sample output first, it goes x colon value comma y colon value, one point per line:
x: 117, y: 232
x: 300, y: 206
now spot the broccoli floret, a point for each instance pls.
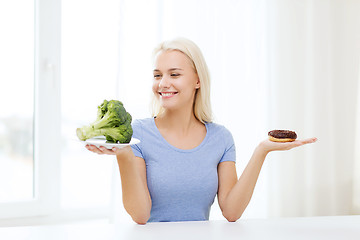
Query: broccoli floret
x: 112, y: 121
x: 122, y: 133
x: 102, y: 109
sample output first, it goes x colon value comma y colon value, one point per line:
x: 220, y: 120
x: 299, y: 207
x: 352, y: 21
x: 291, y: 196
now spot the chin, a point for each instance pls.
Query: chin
x: 168, y: 106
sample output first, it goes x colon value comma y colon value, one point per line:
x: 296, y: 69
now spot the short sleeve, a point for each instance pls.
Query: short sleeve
x: 137, y: 133
x: 229, y: 148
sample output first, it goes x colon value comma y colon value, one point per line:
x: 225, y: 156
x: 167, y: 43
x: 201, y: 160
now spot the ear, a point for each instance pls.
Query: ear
x: 197, y: 86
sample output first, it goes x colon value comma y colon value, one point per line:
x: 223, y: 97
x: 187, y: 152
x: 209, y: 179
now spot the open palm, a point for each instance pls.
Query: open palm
x: 269, y: 146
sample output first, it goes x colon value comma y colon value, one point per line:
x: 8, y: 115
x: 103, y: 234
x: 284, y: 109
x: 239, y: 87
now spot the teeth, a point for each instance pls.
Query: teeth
x: 167, y: 94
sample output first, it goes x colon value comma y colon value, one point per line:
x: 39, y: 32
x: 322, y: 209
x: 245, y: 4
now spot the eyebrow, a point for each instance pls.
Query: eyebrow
x: 171, y: 69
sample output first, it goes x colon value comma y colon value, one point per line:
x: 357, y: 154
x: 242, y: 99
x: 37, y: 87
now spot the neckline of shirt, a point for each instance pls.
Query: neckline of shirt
x: 179, y: 149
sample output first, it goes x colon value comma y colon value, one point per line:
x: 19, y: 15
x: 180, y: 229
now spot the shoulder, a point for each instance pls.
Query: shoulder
x: 141, y: 127
x: 140, y: 123
x: 215, y: 128
x: 220, y: 133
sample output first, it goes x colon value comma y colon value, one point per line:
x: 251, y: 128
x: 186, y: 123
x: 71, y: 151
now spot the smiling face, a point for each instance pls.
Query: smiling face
x: 175, y: 80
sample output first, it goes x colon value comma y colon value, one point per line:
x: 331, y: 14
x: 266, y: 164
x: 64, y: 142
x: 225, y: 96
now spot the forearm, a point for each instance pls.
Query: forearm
x: 135, y: 194
x: 239, y: 196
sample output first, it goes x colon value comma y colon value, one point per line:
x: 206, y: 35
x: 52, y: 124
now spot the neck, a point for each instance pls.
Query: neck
x: 179, y: 120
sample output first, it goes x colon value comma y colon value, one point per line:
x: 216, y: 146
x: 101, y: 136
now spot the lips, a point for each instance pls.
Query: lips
x: 167, y: 94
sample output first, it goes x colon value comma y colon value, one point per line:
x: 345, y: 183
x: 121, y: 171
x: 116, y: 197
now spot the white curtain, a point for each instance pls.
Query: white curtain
x: 274, y: 64
x: 314, y: 76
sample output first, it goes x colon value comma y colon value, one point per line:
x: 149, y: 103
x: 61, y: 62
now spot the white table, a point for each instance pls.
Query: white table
x: 327, y: 228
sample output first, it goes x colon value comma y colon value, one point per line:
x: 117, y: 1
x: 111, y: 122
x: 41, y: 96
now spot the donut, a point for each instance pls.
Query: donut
x: 282, y: 136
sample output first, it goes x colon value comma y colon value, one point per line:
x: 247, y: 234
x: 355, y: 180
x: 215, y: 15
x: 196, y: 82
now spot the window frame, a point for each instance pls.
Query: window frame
x: 47, y: 116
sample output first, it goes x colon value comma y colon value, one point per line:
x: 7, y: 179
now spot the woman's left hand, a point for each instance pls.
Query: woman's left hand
x: 269, y: 146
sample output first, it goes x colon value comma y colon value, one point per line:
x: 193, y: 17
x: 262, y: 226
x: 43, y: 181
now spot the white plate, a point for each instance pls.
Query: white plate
x: 101, y: 141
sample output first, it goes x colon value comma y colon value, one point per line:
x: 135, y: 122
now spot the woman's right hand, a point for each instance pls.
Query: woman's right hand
x: 103, y: 150
x: 135, y: 194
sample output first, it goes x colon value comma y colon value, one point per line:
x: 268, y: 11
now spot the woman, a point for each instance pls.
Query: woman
x: 184, y: 159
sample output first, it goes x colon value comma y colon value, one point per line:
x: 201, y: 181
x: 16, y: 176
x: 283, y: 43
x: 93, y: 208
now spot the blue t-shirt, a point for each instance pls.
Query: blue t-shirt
x: 182, y: 183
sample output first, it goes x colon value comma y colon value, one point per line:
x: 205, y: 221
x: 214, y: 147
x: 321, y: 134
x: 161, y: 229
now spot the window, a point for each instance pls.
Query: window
x: 16, y: 97
x: 30, y: 65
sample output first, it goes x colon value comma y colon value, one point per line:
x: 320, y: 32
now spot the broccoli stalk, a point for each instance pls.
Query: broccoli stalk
x: 87, y: 132
x: 112, y: 121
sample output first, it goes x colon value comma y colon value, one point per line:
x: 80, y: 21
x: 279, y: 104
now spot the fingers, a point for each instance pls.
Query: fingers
x: 298, y: 143
x: 309, y: 140
x: 100, y: 150
x: 302, y: 142
x: 281, y: 146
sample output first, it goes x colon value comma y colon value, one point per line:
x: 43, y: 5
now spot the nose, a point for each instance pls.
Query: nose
x: 164, y: 82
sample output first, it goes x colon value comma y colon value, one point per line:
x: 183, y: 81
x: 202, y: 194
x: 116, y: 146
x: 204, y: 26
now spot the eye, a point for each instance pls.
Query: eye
x: 157, y: 76
x: 175, y: 75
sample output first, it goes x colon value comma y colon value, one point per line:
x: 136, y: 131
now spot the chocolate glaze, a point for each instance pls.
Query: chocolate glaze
x: 282, y: 134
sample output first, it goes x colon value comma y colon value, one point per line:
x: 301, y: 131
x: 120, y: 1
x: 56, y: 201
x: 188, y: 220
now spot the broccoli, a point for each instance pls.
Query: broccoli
x: 112, y: 121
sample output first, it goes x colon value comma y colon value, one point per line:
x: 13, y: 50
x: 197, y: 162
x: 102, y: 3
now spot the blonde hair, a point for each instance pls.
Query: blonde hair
x: 202, y: 106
